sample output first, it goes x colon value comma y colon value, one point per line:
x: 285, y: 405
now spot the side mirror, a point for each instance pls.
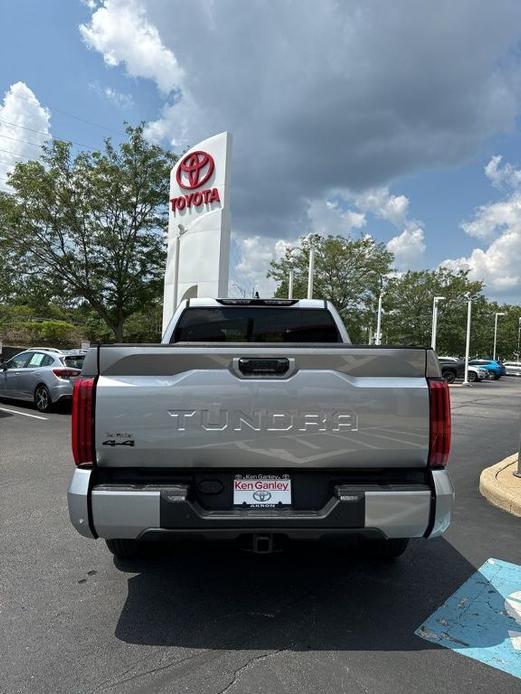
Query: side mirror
x: 3, y: 365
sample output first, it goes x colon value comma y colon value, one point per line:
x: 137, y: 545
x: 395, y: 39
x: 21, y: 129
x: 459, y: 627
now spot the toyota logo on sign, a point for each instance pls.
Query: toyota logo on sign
x: 261, y: 496
x: 195, y: 169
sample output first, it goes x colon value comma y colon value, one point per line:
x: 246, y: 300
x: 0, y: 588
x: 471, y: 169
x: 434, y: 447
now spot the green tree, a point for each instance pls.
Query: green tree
x: 408, y: 300
x: 91, y: 228
x: 348, y: 272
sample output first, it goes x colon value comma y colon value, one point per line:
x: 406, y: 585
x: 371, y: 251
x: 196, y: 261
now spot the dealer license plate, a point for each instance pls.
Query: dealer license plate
x: 262, y: 490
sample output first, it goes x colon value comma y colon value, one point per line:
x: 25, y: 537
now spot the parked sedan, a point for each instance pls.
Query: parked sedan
x: 43, y: 376
x: 495, y: 367
x: 512, y: 368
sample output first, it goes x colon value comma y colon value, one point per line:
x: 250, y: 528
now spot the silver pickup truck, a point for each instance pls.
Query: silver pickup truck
x: 258, y: 420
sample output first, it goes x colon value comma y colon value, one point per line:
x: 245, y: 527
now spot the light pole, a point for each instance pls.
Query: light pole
x: 519, y: 339
x: 378, y: 337
x: 435, y: 319
x: 182, y: 230
x: 499, y: 313
x: 290, y: 284
x: 467, y: 342
x: 310, y: 271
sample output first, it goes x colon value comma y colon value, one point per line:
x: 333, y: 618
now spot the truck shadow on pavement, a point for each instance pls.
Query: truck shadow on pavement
x: 311, y: 597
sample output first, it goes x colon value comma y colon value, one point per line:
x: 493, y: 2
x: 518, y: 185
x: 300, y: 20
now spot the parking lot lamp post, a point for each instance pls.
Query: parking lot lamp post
x: 310, y: 272
x: 467, y: 342
x: 435, y: 319
x: 378, y: 338
x: 290, y: 284
x: 182, y: 230
x: 519, y: 340
x: 495, y: 332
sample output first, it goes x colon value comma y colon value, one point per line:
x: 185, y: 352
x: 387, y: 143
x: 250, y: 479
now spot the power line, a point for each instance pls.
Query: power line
x: 71, y: 115
x: 33, y: 144
x: 41, y: 132
x: 25, y: 142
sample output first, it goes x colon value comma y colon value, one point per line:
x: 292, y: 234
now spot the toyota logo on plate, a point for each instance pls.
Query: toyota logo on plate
x: 195, y: 169
x: 262, y: 496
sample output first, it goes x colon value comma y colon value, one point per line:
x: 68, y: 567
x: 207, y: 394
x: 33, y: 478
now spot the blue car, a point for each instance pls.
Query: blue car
x: 494, y: 367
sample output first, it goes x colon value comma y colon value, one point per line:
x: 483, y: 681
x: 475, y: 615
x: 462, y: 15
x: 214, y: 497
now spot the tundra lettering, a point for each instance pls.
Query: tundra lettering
x: 263, y: 420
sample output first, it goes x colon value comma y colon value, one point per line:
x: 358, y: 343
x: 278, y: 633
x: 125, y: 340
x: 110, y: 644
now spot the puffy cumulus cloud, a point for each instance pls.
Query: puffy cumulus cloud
x: 335, y: 96
x: 499, y: 264
x: 328, y: 217
x: 121, y: 32
x: 502, y: 176
x: 384, y: 205
x: 24, y: 128
x: 119, y: 99
x: 408, y: 247
x: 255, y: 256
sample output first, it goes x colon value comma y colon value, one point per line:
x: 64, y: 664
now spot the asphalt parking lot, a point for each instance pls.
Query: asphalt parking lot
x: 214, y: 619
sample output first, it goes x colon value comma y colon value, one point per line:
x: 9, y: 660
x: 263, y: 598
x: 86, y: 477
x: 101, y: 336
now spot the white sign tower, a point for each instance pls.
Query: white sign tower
x: 198, y: 224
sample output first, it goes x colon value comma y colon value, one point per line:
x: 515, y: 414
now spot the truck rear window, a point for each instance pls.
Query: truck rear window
x: 255, y: 324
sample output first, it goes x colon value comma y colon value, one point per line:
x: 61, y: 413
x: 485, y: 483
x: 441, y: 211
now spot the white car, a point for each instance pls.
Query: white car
x: 513, y: 368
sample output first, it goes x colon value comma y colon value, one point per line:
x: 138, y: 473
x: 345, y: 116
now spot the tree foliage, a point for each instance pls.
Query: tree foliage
x: 90, y: 228
x: 351, y: 273
x: 348, y: 272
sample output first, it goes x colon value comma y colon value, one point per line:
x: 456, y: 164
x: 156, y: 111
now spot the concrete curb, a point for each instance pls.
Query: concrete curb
x: 499, y: 486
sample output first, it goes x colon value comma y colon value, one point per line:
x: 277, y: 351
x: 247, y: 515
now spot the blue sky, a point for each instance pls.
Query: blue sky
x: 344, y: 120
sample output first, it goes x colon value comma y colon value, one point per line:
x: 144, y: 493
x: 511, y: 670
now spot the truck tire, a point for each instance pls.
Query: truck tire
x: 124, y: 549
x: 391, y: 549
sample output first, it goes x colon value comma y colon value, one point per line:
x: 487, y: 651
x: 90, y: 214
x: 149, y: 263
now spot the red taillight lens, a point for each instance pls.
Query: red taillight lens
x: 66, y: 373
x: 439, y: 403
x: 83, y: 421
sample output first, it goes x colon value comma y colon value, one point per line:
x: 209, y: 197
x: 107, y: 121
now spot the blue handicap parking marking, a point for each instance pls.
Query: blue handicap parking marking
x: 482, y: 619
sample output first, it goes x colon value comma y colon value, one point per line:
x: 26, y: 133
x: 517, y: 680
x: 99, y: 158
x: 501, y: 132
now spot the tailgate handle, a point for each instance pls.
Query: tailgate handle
x: 263, y: 367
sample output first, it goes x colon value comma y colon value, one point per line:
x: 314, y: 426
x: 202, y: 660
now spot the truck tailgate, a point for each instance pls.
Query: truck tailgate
x: 181, y: 406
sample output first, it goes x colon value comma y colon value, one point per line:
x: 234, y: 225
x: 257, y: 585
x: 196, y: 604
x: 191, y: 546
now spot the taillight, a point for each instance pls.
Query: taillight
x: 83, y: 421
x: 66, y: 373
x: 439, y: 404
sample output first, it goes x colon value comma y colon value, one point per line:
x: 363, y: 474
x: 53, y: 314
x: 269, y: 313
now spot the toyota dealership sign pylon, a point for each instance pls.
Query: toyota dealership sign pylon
x: 199, y: 211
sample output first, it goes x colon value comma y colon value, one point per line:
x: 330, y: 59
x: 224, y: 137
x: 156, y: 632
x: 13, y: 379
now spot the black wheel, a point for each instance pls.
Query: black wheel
x: 497, y: 377
x: 449, y: 376
x: 390, y: 549
x: 42, y: 399
x: 124, y: 549
x: 472, y: 376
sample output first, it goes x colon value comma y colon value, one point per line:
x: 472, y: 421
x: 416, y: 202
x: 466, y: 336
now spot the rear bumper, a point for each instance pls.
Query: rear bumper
x: 393, y: 511
x: 61, y: 391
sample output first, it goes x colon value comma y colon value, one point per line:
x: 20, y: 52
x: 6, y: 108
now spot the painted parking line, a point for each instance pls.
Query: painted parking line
x: 482, y: 619
x: 24, y: 414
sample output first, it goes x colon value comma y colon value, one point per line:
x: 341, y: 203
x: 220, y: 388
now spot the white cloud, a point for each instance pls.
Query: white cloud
x: 499, y: 264
x: 121, y: 31
x: 327, y: 217
x: 120, y: 99
x: 506, y: 176
x: 255, y: 256
x: 24, y: 128
x: 408, y: 247
x: 384, y: 205
x: 343, y: 97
